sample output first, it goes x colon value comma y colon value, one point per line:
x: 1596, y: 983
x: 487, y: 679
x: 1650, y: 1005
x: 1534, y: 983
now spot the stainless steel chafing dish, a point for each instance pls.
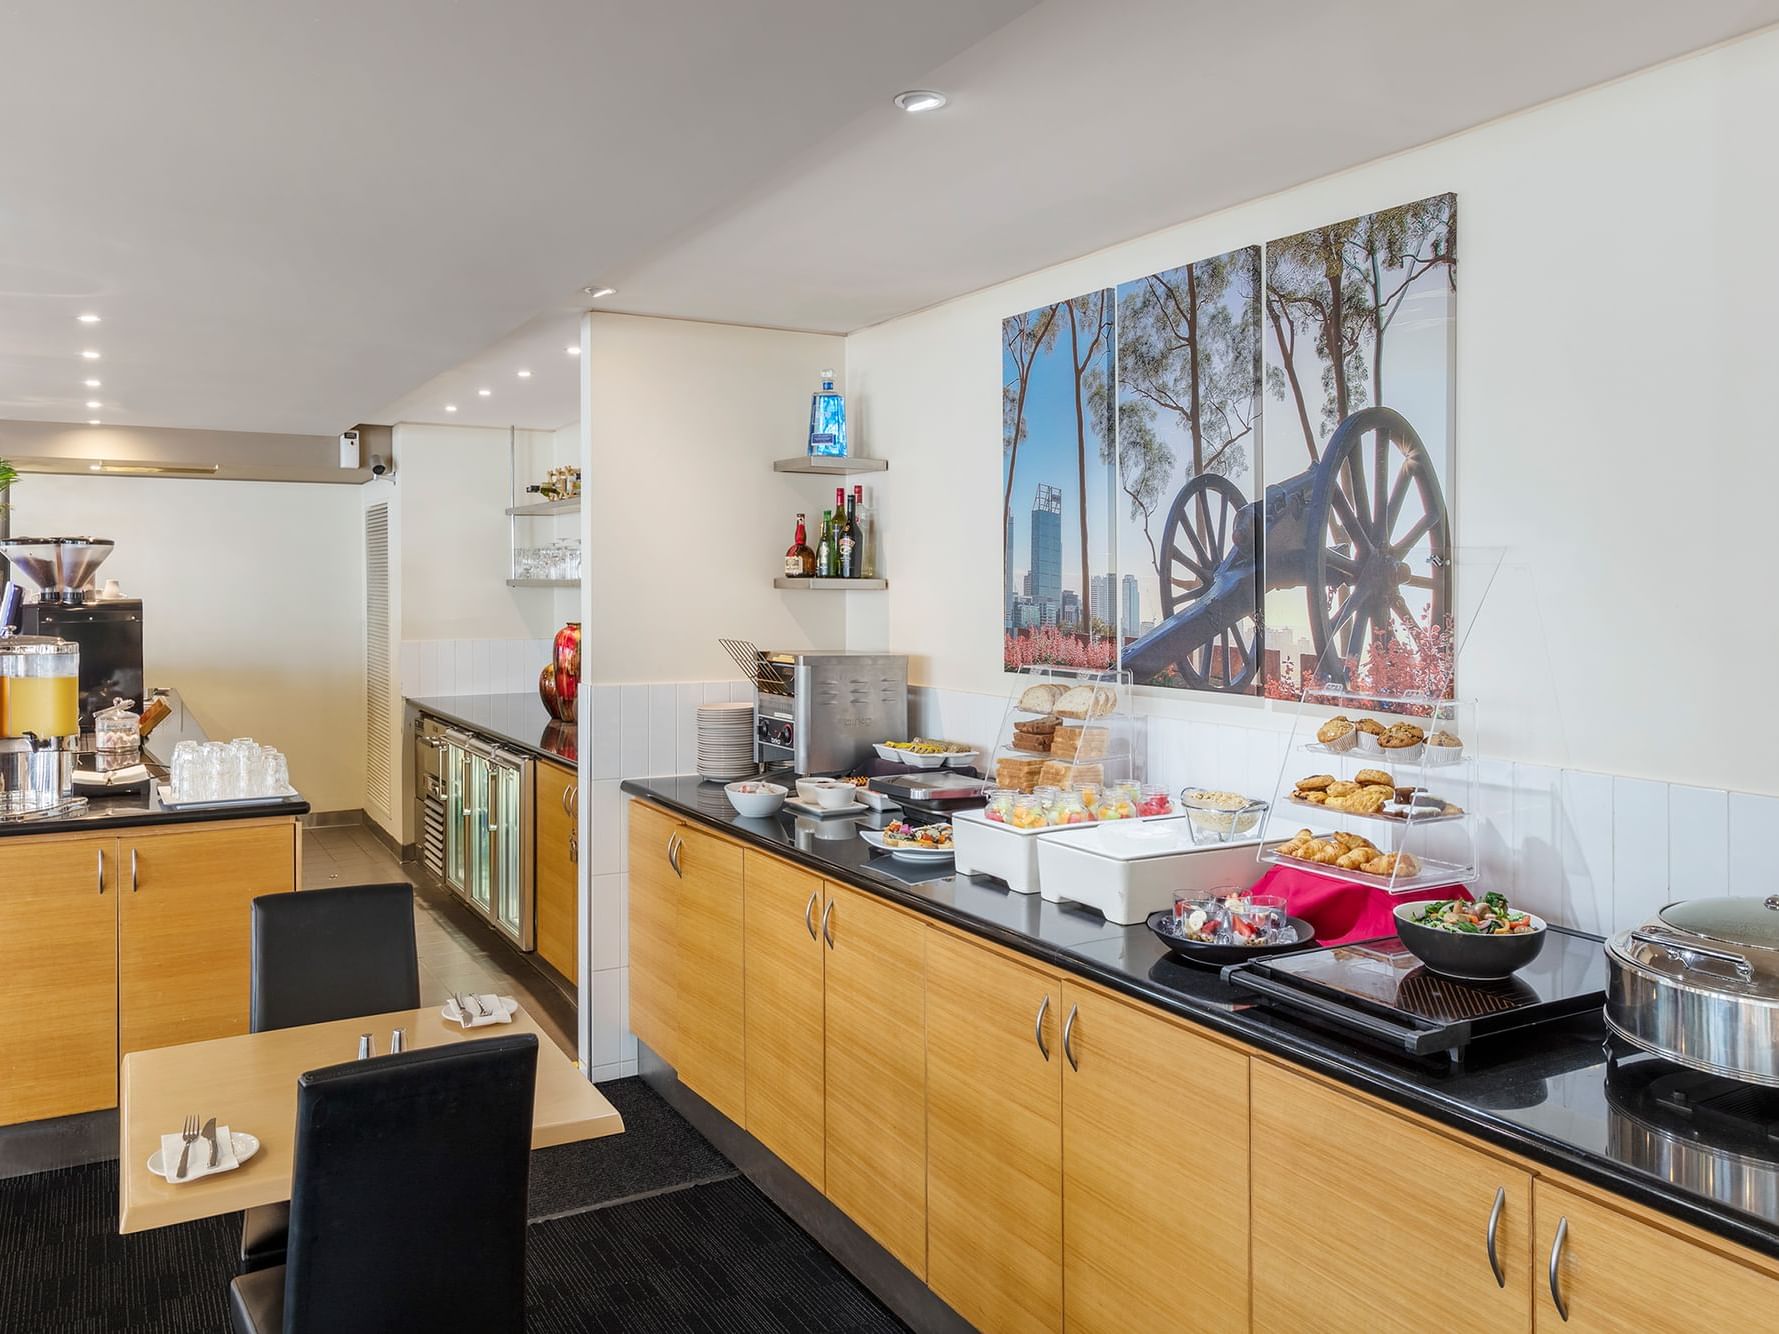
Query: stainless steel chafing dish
x: 1699, y: 985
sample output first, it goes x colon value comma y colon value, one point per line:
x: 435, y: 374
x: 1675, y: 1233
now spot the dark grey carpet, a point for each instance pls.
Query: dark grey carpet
x: 702, y: 1250
x: 658, y: 1151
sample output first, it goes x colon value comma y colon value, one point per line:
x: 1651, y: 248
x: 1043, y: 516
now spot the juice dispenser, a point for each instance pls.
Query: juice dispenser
x: 39, y: 721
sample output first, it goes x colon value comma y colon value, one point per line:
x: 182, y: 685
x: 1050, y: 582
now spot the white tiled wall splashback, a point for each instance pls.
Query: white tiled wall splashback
x: 436, y: 668
x: 632, y: 731
x: 1587, y: 850
x: 1582, y: 849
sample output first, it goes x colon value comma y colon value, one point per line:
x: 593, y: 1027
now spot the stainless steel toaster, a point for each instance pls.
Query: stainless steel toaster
x: 823, y: 709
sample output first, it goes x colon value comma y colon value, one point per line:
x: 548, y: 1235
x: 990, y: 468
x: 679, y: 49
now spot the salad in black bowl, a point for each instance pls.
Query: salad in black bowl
x: 1481, y: 941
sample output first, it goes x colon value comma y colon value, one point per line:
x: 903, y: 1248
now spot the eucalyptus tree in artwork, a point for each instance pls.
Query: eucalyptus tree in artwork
x: 1024, y: 338
x: 1090, y: 348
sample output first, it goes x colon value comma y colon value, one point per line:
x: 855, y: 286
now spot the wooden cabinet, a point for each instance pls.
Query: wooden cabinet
x: 876, y: 1070
x: 654, y: 953
x: 184, y: 926
x: 58, y: 959
x: 994, y: 1136
x: 1623, y: 1271
x: 556, y: 848
x: 1154, y: 1171
x: 782, y: 965
x: 1349, y: 1201
x: 708, y: 1008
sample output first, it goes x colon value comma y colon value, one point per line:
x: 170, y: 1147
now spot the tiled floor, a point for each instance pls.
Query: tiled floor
x: 458, y: 952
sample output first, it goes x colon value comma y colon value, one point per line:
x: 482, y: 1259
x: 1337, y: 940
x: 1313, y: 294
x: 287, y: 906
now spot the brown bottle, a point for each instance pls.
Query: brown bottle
x: 799, y: 560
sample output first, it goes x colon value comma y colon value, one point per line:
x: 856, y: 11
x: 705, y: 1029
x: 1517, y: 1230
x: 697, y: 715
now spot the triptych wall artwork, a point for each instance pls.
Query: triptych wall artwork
x: 1236, y: 475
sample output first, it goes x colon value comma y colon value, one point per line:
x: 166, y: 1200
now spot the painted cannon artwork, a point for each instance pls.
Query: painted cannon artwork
x: 1359, y: 532
x: 1148, y: 519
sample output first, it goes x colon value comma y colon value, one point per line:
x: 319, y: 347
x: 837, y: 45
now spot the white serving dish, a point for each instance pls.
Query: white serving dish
x: 763, y: 801
x: 991, y: 847
x: 875, y: 839
x: 1128, y: 877
x: 878, y: 801
x: 891, y: 755
x: 827, y: 794
x: 826, y: 812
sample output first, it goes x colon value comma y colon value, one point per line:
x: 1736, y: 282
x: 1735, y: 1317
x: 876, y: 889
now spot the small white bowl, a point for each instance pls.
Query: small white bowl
x: 760, y: 800
x: 828, y: 794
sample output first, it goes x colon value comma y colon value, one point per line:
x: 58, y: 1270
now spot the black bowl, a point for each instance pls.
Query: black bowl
x: 1467, y: 957
x: 1215, y: 956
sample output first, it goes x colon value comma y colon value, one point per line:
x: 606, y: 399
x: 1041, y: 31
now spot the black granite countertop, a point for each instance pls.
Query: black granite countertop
x: 1543, y: 1094
x: 519, y: 720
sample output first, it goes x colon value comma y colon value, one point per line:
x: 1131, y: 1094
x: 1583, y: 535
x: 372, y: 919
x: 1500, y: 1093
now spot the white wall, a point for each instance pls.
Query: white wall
x: 1615, y: 429
x: 687, y: 522
x: 452, y: 485
x: 253, y: 605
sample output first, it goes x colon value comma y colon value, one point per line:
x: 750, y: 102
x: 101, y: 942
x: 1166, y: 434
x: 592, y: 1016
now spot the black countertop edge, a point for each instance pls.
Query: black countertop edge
x: 1301, y: 1044
x: 519, y: 719
x: 137, y: 812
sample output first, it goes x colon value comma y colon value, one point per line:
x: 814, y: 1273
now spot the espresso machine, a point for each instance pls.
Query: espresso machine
x: 39, y: 726
x: 65, y: 606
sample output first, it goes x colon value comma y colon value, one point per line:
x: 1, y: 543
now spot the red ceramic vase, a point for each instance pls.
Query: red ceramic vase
x: 559, y: 684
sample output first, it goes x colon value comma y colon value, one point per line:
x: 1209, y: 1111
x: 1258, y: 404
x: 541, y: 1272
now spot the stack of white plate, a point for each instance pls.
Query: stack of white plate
x: 725, y: 741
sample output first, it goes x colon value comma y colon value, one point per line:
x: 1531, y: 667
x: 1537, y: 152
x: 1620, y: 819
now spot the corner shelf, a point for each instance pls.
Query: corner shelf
x: 543, y: 583
x: 831, y: 585
x: 829, y: 466
x: 546, y: 507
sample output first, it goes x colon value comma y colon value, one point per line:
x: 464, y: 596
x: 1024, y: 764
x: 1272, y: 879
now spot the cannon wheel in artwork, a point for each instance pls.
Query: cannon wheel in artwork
x: 1377, y: 524
x: 1199, y: 532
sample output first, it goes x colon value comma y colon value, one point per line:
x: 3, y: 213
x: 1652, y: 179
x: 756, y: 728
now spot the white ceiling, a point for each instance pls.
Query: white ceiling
x: 297, y: 217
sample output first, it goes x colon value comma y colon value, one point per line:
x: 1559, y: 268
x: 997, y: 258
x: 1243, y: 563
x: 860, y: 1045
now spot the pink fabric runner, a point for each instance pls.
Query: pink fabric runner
x: 1342, y: 910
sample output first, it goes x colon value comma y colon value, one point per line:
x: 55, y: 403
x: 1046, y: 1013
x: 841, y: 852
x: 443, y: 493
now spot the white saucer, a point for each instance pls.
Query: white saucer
x: 804, y: 808
x: 245, y: 1146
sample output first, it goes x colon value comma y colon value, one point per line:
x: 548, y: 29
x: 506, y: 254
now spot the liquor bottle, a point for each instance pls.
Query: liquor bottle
x: 867, y: 535
x: 824, y: 549
x: 827, y: 420
x: 799, y: 560
x: 850, y: 550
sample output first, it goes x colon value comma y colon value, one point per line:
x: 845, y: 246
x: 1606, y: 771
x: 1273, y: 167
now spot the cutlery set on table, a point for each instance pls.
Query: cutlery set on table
x: 218, y: 1149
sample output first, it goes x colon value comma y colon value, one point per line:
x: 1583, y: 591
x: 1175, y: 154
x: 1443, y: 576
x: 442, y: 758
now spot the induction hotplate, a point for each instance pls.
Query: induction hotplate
x: 1377, y: 989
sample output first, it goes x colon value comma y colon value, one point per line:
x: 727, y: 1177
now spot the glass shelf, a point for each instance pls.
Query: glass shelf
x: 543, y: 583
x: 544, y: 508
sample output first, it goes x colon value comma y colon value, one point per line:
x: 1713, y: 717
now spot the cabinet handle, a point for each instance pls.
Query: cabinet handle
x: 565, y: 801
x: 101, y: 870
x: 1494, y: 1231
x: 673, y: 855
x: 828, y: 923
x: 132, y: 870
x: 574, y: 849
x: 809, y: 912
x: 574, y: 802
x: 1068, y: 1027
x: 1556, y: 1260
x: 1038, y: 1028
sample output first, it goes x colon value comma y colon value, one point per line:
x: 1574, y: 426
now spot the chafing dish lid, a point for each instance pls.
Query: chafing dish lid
x: 1723, y: 944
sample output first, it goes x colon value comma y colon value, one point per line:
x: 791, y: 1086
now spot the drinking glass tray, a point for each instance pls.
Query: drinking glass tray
x: 172, y: 801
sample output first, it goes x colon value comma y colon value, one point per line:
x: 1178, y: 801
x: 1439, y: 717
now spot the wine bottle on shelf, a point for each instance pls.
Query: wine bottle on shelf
x: 799, y: 560
x: 849, y: 542
x: 867, y: 535
x: 824, y: 550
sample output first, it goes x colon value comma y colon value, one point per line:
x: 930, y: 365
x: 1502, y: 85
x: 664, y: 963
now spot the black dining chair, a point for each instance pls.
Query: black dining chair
x: 323, y: 954
x: 407, y: 1208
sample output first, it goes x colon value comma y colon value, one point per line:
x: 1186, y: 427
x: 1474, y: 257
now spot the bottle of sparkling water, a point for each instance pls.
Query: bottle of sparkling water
x: 827, y: 420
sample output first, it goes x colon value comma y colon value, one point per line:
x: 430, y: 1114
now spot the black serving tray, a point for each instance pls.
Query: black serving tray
x: 1207, y: 955
x: 1379, y: 990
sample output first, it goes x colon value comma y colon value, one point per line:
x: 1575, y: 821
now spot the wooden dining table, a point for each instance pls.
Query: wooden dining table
x: 249, y: 1083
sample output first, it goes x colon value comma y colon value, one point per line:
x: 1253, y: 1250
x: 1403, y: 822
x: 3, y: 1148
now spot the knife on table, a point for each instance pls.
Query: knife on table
x: 209, y: 1133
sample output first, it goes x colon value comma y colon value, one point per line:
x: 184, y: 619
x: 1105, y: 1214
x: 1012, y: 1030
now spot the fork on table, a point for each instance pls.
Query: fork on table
x: 190, y: 1135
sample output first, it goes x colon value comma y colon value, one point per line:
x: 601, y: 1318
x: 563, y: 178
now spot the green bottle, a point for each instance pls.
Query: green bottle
x: 824, y: 550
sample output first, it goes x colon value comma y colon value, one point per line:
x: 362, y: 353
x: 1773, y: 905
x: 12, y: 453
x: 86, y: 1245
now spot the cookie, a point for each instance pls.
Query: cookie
x: 1314, y: 782
x: 1366, y: 777
x: 1341, y: 788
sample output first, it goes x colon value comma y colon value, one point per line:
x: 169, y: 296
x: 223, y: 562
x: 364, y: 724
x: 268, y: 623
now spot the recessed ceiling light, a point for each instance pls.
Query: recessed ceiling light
x: 920, y: 99
x: 94, y: 421
x: 573, y: 349
x: 90, y: 384
x: 88, y: 318
x: 524, y: 375
x: 595, y: 291
x: 450, y: 407
x: 484, y: 392
x: 91, y: 354
x: 94, y: 403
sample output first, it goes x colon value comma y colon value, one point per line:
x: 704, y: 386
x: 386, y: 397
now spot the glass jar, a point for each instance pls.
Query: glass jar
x: 39, y: 687
x: 1155, y: 800
x: 1027, y: 812
x: 1071, y: 808
x: 1000, y: 803
x: 117, y: 729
